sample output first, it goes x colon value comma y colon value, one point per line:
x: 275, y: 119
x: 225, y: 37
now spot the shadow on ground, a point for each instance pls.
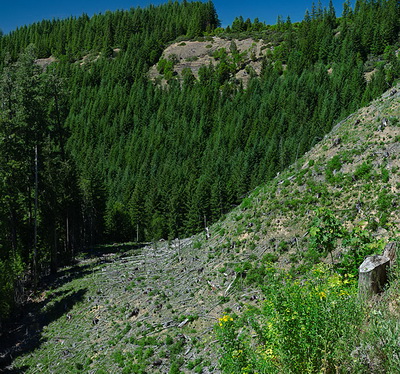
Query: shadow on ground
x: 121, y: 250
x: 102, y: 253
x: 25, y: 335
x: 23, y: 332
x: 14, y: 371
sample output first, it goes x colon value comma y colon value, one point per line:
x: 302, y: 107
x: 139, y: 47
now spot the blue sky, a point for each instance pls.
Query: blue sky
x: 16, y: 13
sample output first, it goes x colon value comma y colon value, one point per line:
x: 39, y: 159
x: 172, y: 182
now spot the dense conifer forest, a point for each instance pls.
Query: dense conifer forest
x: 91, y: 150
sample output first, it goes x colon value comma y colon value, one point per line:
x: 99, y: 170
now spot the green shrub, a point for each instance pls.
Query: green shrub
x: 283, y: 247
x: 257, y: 275
x: 175, y: 368
x: 197, y: 244
x: 325, y: 231
x: 305, y: 326
x: 333, y: 165
x: 384, y: 201
x: 385, y: 175
x: 242, y: 268
x: 191, y: 58
x: 118, y: 358
x: 363, y: 171
x: 10, y: 270
x: 270, y: 258
x: 247, y: 203
x: 394, y: 121
x: 360, y: 243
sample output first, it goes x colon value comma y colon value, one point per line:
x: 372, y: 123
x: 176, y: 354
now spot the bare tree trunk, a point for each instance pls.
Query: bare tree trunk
x: 67, y: 242
x: 13, y: 229
x: 35, y: 271
x: 54, y: 260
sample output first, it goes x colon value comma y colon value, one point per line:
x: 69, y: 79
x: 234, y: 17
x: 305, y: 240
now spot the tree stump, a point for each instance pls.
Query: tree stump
x: 390, y: 252
x: 372, y: 275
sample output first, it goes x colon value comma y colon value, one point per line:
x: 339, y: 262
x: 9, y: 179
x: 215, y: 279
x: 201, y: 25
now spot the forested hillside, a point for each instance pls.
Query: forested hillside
x: 91, y: 150
x: 259, y: 294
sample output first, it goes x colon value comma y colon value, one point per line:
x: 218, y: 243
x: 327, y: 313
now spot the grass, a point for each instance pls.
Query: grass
x: 83, y: 321
x: 314, y: 323
x: 115, y: 313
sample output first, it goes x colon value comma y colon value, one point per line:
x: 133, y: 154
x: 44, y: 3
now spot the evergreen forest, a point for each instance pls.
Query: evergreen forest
x: 93, y: 151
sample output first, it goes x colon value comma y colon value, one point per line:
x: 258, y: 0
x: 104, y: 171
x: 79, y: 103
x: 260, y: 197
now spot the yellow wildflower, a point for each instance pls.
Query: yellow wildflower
x: 269, y: 352
x: 322, y: 295
x: 246, y: 370
x: 224, y: 319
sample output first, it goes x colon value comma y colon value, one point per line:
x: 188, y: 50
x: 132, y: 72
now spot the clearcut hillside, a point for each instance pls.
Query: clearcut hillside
x: 127, y: 309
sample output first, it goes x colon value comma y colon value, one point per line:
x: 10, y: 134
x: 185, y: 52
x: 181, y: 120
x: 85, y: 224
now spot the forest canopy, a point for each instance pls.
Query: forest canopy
x: 91, y: 150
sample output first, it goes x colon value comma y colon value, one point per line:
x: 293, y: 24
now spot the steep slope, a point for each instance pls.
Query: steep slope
x: 244, y: 57
x: 153, y: 309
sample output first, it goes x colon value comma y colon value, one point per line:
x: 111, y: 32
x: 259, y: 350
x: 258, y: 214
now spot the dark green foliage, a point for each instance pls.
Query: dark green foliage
x: 10, y: 271
x: 39, y: 208
x: 384, y: 175
x: 270, y: 258
x: 333, y: 166
x: 363, y: 171
x: 359, y: 243
x: 384, y: 202
x: 144, y: 29
x: 122, y: 158
x: 325, y: 231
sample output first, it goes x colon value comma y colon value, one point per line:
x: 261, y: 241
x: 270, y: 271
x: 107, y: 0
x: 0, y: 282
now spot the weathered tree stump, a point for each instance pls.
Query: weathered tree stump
x: 336, y: 142
x: 372, y: 275
x: 385, y: 122
x: 390, y: 252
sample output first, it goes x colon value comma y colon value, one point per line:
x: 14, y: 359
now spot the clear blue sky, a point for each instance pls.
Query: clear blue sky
x: 14, y: 13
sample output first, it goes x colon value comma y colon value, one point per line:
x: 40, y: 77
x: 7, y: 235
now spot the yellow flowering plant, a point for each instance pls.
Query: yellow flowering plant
x: 225, y: 319
x: 235, y: 351
x: 299, y: 328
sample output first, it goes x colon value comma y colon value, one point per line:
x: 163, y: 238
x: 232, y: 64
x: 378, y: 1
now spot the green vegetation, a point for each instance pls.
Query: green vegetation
x: 308, y: 324
x: 363, y: 171
x: 305, y: 325
x: 93, y: 151
x: 325, y: 231
x: 334, y: 165
x: 359, y: 243
x: 312, y: 319
x: 54, y: 198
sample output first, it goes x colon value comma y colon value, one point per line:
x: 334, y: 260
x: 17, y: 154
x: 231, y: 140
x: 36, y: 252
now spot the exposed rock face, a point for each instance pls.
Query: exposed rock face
x: 45, y: 62
x: 373, y: 275
x: 195, y: 54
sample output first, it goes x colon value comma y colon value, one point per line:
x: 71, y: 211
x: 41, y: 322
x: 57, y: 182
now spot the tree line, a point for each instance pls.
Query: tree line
x: 93, y: 151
